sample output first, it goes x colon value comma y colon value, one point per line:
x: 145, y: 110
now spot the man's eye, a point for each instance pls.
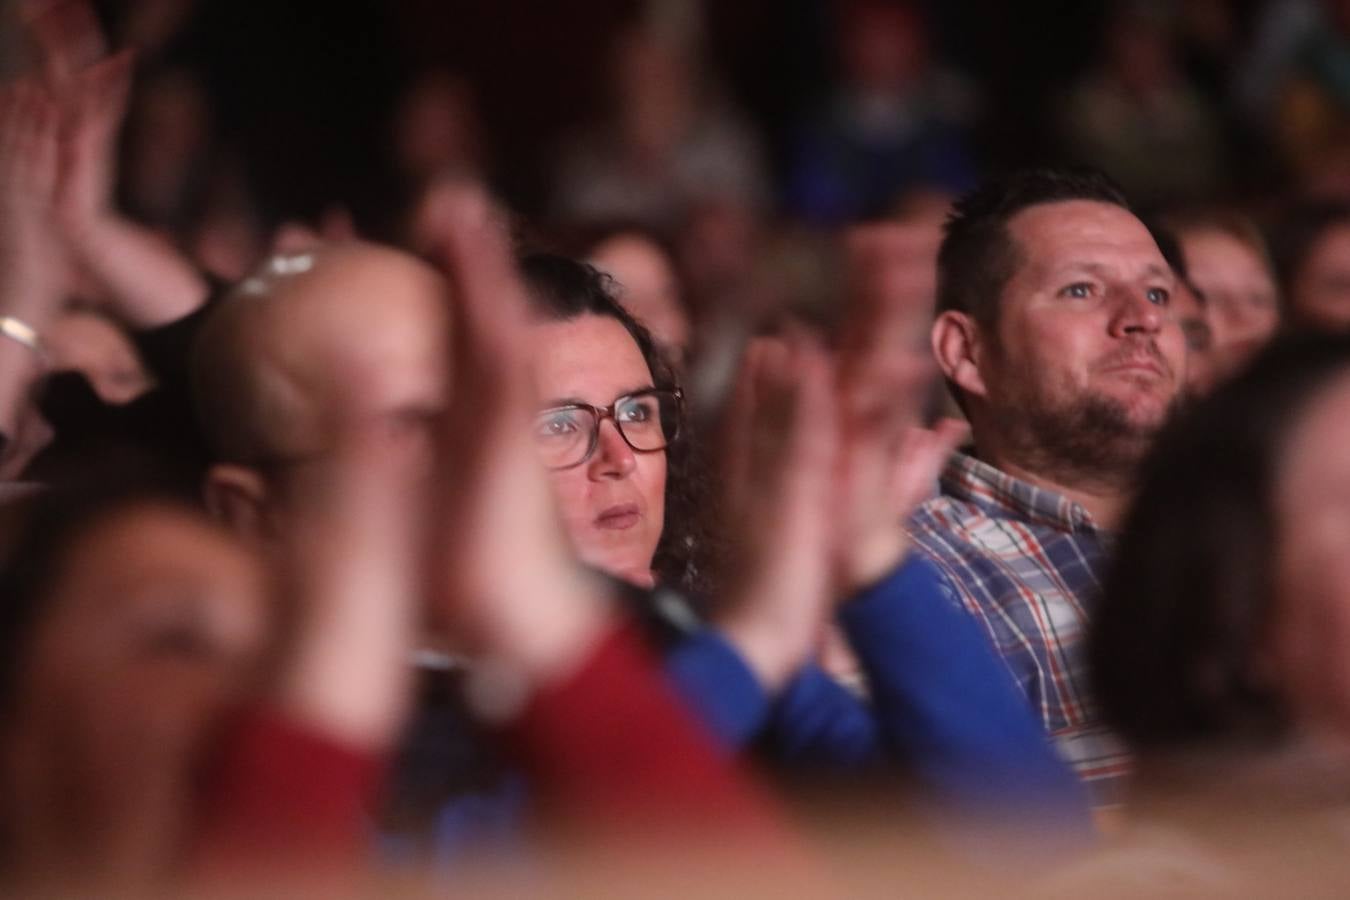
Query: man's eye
x: 1159, y: 296
x: 1081, y: 290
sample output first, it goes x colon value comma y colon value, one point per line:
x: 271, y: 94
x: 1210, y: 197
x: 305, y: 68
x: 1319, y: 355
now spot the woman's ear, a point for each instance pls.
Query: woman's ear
x: 956, y: 345
x: 237, y: 496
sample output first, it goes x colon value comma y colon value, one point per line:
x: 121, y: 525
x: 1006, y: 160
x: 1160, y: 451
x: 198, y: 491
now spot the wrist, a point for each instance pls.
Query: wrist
x: 768, y: 646
x: 868, y: 561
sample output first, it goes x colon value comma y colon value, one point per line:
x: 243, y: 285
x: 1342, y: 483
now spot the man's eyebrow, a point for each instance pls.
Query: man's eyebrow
x: 1152, y: 270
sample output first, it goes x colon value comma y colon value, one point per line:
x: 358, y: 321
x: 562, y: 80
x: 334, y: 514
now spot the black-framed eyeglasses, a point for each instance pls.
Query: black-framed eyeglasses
x: 648, y: 420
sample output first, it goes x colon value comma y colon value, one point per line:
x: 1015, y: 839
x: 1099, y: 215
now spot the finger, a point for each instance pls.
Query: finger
x: 475, y: 252
x: 738, y: 422
x: 43, y: 150
x: 68, y: 37
x: 920, y: 461
x: 9, y: 115
x: 109, y: 82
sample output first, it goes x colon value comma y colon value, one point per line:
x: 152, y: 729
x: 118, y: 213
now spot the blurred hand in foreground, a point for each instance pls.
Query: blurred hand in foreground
x: 142, y: 278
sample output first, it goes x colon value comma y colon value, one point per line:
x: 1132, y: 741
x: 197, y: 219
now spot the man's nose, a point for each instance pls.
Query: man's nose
x: 1135, y: 313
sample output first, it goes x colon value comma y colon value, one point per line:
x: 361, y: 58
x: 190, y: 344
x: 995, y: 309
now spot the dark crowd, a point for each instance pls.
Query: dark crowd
x: 674, y: 448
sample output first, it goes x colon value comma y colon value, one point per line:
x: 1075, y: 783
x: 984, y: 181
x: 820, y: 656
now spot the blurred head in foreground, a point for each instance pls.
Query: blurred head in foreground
x: 130, y: 624
x: 290, y: 352
x: 1226, y: 613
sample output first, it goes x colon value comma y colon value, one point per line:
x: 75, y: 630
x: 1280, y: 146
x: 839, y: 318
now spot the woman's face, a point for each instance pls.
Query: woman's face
x: 613, y: 504
x: 1312, y: 627
x: 1241, y: 297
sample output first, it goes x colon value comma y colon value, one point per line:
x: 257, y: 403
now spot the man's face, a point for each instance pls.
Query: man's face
x: 1087, y: 360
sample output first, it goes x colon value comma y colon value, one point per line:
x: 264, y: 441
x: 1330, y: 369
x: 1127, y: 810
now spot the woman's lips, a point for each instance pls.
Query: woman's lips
x: 619, y: 518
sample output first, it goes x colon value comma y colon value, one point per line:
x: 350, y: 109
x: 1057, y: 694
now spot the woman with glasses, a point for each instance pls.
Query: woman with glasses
x: 610, y: 414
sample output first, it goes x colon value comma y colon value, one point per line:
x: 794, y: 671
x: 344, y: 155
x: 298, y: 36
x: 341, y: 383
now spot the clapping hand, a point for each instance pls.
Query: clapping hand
x: 782, y: 440
x: 890, y: 459
x: 139, y: 275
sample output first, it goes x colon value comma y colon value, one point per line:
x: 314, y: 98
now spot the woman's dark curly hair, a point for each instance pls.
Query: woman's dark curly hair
x: 1191, y: 591
x: 561, y: 288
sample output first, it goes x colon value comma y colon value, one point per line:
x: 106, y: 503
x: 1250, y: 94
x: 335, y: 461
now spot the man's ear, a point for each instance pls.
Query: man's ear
x: 237, y: 496
x: 956, y: 344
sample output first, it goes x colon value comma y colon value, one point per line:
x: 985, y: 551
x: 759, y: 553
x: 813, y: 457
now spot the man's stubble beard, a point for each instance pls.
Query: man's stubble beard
x: 1087, y: 441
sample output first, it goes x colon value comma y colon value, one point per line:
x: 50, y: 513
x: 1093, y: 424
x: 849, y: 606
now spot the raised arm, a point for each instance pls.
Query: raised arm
x: 139, y: 276
x: 32, y: 272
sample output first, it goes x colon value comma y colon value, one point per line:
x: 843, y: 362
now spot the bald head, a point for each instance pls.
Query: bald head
x: 278, y: 359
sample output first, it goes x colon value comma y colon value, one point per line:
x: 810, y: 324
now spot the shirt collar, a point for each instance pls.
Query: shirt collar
x: 967, y: 478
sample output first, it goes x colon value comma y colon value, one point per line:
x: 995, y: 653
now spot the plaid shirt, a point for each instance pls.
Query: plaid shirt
x: 1027, y: 563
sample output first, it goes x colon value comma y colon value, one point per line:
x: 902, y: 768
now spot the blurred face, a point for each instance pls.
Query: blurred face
x: 1313, y: 563
x: 1320, y: 294
x: 1241, y: 298
x: 648, y: 288
x: 613, y: 504
x: 155, y: 626
x: 1193, y: 318
x: 157, y: 615
x: 1088, y: 360
x: 370, y: 331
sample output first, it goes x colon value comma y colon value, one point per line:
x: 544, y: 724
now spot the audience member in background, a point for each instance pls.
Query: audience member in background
x: 1192, y: 315
x: 667, y: 142
x: 180, y: 180
x: 1138, y: 119
x: 1217, y: 648
x: 1312, y: 254
x: 1227, y: 261
x: 437, y: 131
x: 648, y: 287
x: 1296, y: 89
x: 893, y: 122
x: 1056, y: 334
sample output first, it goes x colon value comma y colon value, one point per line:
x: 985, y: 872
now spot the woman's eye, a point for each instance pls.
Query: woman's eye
x: 555, y: 425
x: 636, y: 411
x: 1159, y: 296
x: 1081, y: 290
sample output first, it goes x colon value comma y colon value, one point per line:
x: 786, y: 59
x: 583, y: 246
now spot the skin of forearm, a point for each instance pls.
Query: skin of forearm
x: 147, y: 282
x: 19, y: 370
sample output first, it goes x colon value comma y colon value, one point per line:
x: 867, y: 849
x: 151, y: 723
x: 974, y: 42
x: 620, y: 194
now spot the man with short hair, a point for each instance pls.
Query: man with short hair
x: 1055, y: 334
